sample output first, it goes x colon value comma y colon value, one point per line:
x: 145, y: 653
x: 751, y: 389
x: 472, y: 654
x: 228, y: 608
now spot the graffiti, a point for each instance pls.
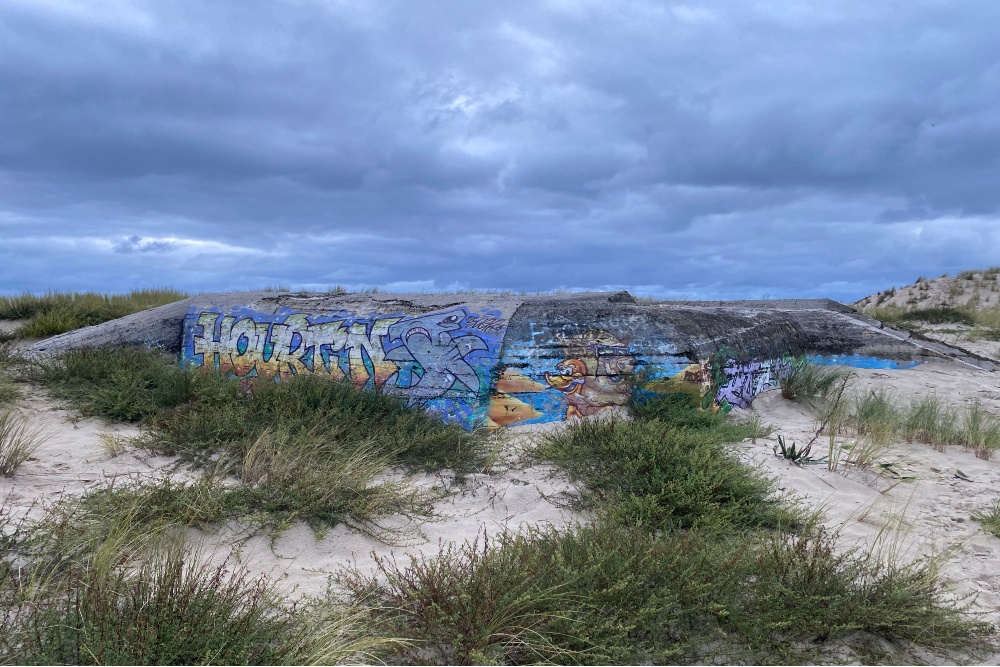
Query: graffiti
x: 428, y: 341
x: 741, y: 382
x: 573, y: 375
x: 472, y: 367
x: 487, y: 323
x: 434, y: 360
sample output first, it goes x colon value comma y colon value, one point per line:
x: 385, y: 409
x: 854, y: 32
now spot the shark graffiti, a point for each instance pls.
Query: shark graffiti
x: 430, y: 342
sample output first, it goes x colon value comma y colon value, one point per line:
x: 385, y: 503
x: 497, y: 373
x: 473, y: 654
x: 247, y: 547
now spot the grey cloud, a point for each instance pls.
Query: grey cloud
x: 137, y: 243
x: 603, y: 144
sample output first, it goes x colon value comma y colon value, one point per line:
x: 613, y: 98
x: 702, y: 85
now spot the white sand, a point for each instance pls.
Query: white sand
x: 929, y: 515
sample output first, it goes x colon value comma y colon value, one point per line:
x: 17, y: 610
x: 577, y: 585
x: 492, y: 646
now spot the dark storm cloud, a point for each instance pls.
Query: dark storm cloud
x: 715, y: 149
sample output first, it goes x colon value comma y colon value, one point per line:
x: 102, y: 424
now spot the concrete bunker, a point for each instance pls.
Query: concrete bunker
x: 498, y: 360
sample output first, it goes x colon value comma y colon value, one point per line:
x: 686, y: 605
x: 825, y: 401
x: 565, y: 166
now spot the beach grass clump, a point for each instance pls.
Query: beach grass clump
x: 876, y: 415
x: 10, y: 360
x: 58, y: 312
x: 876, y: 419
x: 989, y: 517
x: 304, y: 449
x: 923, y: 419
x: 813, y: 384
x: 18, y: 441
x: 606, y: 594
x: 159, y: 603
x: 980, y: 431
x: 486, y: 601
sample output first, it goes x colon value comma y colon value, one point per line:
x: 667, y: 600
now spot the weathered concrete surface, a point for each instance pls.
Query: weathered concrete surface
x: 500, y: 359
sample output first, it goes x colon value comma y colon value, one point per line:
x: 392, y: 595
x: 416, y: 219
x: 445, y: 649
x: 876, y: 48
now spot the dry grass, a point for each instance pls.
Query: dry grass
x: 18, y: 441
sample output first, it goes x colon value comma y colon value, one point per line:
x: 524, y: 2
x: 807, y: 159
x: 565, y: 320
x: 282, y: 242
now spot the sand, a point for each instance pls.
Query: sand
x: 929, y: 515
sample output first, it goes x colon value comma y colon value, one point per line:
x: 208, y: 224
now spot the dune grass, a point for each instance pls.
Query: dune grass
x: 58, y: 312
x: 812, y: 384
x: 690, y: 558
x: 18, y: 441
x: 911, y: 317
x: 879, y: 418
x: 271, y: 453
x: 155, y: 601
x: 9, y: 391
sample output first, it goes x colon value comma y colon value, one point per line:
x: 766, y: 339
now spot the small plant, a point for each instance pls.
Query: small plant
x: 18, y: 441
x: 989, y: 517
x: 758, y: 429
x: 115, y: 445
x: 796, y: 456
x: 980, y: 431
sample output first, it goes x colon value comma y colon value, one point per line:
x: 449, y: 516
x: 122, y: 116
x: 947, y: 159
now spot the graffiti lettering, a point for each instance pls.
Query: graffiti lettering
x: 435, y: 360
x: 487, y: 323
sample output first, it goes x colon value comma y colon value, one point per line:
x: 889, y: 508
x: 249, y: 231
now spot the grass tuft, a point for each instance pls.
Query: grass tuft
x: 989, y: 517
x: 18, y: 441
x: 812, y: 384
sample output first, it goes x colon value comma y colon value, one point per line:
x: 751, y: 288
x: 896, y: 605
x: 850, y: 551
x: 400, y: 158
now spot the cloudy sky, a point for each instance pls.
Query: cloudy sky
x: 701, y: 150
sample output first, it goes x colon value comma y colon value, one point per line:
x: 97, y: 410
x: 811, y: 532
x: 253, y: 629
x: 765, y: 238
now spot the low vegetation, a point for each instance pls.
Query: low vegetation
x: 690, y: 558
x: 57, y: 312
x: 878, y: 418
x: 156, y: 602
x: 271, y: 453
x: 687, y: 556
x: 9, y: 391
x: 18, y: 441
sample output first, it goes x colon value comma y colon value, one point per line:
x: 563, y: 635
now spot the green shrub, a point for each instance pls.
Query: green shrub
x: 660, y: 477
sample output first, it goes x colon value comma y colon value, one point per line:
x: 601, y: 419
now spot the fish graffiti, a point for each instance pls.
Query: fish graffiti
x: 430, y: 342
x: 435, y: 360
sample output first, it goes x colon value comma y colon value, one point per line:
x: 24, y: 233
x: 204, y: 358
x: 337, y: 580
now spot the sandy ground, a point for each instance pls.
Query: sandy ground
x: 929, y: 515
